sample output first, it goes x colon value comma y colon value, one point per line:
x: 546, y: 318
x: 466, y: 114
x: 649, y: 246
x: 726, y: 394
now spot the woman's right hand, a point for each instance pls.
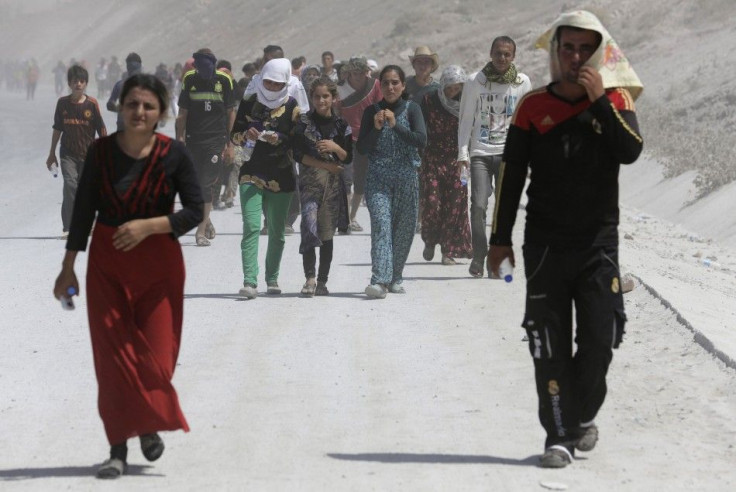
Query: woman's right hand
x: 67, y: 278
x: 333, y: 168
x: 379, y: 119
x: 252, y: 134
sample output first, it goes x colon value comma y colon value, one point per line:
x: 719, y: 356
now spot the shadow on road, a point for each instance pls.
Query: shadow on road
x: 449, y: 459
x: 67, y: 471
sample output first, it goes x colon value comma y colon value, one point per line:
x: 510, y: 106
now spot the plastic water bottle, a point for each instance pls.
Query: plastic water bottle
x: 67, y: 303
x: 506, y: 271
x: 54, y: 170
x: 464, y: 175
x: 248, y: 149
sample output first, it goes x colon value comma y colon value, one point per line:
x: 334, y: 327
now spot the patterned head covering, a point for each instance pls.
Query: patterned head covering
x: 608, y: 59
x: 453, y: 74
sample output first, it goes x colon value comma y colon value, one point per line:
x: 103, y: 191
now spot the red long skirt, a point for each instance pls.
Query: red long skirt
x: 135, y: 308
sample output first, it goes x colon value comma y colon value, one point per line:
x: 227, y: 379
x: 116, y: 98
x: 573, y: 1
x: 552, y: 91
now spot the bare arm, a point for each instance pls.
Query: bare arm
x: 332, y: 167
x: 181, y: 125
x: 55, y: 136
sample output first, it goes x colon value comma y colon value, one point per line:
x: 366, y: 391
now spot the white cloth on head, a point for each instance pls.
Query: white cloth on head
x: 608, y: 59
x: 453, y: 74
x: 276, y: 70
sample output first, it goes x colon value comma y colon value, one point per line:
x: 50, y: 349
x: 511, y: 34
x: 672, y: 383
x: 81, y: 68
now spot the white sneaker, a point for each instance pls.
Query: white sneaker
x: 376, y: 291
x: 249, y: 291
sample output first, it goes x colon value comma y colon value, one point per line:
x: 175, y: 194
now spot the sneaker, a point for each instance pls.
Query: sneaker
x: 447, y: 261
x: 202, y: 241
x: 355, y: 227
x: 248, y: 291
x: 428, y: 253
x: 152, y: 446
x: 288, y: 230
x: 376, y: 291
x: 555, y: 457
x: 112, y: 468
x: 209, y: 231
x: 273, y: 288
x: 476, y: 269
x: 310, y: 286
x: 396, y: 289
x: 321, y: 289
x: 588, y: 438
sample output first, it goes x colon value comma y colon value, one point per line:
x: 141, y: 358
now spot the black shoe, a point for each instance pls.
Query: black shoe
x: 152, y: 446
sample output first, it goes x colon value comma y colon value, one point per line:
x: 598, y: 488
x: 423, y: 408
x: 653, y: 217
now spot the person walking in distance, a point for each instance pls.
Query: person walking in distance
x: 573, y: 135
x: 358, y: 92
x: 206, y: 116
x: 76, y: 121
x: 323, y: 144
x: 443, y: 198
x: 392, y: 134
x: 486, y: 106
x: 135, y: 273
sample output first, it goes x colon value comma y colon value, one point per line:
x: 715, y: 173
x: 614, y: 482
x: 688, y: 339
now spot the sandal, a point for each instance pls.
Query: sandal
x: 152, y: 446
x: 321, y: 289
x: 202, y: 241
x: 209, y: 231
x: 446, y: 260
x: 309, y: 288
x: 112, y: 468
x: 476, y: 269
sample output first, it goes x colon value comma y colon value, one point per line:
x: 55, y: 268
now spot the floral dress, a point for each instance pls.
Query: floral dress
x: 322, y: 193
x: 444, y: 200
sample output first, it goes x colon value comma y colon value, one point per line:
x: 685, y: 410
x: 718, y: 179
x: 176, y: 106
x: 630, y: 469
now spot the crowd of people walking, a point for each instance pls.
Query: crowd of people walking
x: 291, y: 139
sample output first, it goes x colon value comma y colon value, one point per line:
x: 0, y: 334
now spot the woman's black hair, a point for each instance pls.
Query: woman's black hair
x: 400, y: 73
x: 148, y: 82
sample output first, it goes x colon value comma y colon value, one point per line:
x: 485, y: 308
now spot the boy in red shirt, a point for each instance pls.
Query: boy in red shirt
x: 76, y: 120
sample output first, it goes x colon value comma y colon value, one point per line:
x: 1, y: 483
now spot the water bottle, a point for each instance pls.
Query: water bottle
x: 248, y: 149
x: 464, y: 175
x: 67, y: 303
x: 505, y: 270
x: 54, y: 170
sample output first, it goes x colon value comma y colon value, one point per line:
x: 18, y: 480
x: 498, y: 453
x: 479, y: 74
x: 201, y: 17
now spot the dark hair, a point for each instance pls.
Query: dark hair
x: 224, y: 64
x: 323, y: 80
x: 150, y: 83
x: 133, y: 57
x: 248, y: 67
x: 504, y: 39
x: 558, y: 33
x: 272, y: 48
x: 205, y: 51
x: 326, y: 53
x: 296, y: 62
x: 77, y: 72
x: 400, y: 72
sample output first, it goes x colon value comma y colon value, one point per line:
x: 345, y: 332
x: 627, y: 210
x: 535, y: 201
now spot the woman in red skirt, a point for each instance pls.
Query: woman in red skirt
x: 135, y: 274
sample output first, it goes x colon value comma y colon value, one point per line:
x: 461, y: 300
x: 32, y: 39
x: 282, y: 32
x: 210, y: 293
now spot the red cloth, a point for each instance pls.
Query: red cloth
x: 135, y: 310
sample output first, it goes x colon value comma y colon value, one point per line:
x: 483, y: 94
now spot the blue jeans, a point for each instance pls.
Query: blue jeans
x: 483, y: 174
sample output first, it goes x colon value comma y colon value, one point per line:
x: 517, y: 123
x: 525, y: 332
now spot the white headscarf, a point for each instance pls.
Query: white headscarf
x: 277, y: 70
x: 608, y: 59
x: 452, y: 74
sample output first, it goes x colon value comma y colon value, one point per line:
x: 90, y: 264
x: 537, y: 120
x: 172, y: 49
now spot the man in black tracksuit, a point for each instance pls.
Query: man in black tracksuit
x: 573, y: 135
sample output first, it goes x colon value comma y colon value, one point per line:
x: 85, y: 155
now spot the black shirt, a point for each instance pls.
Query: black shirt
x: 207, y: 103
x: 118, y: 188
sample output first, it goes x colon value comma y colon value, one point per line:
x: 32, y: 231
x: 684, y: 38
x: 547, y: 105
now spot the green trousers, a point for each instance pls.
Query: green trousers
x: 252, y: 202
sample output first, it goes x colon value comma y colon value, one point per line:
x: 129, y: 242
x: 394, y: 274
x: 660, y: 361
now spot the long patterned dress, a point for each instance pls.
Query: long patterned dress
x: 322, y: 193
x: 444, y: 200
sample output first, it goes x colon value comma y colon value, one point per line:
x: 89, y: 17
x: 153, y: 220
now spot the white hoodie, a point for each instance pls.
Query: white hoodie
x: 485, y: 115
